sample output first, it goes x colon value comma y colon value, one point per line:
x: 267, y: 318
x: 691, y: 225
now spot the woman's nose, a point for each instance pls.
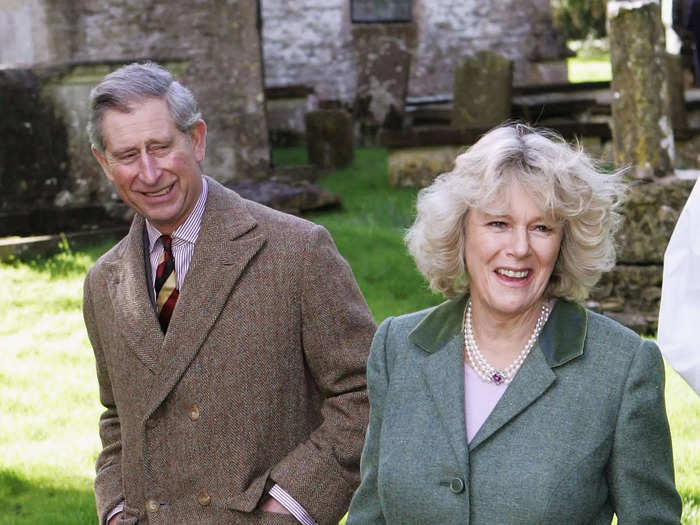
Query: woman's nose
x: 520, y: 242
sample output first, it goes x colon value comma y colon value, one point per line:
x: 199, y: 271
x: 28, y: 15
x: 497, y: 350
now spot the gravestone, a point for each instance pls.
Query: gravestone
x: 329, y: 138
x: 383, y: 54
x: 642, y: 126
x: 482, y: 90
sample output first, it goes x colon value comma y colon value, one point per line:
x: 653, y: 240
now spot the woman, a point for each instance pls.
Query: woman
x: 510, y: 402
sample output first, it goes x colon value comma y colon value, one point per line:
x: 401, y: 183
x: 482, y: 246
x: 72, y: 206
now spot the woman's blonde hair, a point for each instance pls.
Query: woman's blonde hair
x: 561, y: 178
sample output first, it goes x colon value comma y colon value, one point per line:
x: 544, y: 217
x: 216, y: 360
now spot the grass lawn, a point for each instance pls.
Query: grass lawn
x: 590, y: 69
x: 48, y: 391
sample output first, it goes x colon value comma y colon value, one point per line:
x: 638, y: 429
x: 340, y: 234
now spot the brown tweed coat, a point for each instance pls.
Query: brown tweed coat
x: 259, y: 379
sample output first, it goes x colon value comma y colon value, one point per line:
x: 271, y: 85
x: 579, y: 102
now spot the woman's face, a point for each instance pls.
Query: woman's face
x: 510, y: 255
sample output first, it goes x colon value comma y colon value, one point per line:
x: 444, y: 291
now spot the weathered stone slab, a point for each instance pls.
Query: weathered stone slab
x: 642, y: 127
x: 383, y: 54
x: 329, y: 138
x: 418, y: 167
x: 676, y: 91
x: 296, y: 198
x: 286, y: 107
x: 482, y: 90
x: 651, y: 212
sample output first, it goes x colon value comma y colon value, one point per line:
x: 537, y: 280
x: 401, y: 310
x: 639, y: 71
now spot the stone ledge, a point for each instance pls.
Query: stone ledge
x: 44, y: 245
x: 445, y: 135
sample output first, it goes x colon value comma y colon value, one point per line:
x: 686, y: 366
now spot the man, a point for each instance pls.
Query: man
x: 230, y: 339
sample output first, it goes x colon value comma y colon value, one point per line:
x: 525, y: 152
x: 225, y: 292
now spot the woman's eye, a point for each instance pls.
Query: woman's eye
x: 497, y: 224
x: 543, y: 228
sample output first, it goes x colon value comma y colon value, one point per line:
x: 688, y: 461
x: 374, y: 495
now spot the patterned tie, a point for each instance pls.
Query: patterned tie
x: 166, y: 284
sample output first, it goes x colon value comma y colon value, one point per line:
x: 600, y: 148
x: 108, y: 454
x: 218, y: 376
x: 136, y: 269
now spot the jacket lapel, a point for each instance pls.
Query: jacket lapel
x: 222, y: 253
x: 439, y: 334
x: 444, y: 365
x: 128, y: 291
x: 561, y: 341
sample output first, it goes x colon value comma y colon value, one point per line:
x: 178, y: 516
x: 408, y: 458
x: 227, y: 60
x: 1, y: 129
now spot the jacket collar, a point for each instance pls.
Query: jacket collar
x: 561, y: 339
x: 439, y: 335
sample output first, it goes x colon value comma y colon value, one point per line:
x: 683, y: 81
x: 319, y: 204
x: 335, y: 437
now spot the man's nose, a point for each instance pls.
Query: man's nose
x: 148, y: 168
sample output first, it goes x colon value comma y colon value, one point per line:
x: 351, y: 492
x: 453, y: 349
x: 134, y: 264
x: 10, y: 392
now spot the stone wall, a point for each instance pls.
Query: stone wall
x: 447, y: 30
x: 631, y: 292
x: 310, y: 42
x: 218, y: 43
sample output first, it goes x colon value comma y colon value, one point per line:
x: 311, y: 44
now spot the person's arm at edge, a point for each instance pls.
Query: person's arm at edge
x: 365, y: 507
x: 322, y: 473
x: 640, y: 471
x: 108, y: 480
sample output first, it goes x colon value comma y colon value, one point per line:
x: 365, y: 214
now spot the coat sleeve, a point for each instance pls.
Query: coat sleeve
x: 323, y: 472
x: 108, y: 481
x: 365, y: 507
x: 640, y: 471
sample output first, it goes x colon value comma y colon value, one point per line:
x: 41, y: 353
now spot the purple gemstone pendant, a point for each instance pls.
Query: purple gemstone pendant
x: 497, y: 378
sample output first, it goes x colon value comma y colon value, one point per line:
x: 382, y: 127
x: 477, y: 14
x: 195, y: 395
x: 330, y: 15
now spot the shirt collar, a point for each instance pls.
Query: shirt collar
x: 188, y: 231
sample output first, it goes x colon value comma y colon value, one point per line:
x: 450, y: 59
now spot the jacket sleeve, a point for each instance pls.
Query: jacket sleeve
x: 108, y: 481
x: 640, y: 471
x: 323, y: 472
x: 365, y: 507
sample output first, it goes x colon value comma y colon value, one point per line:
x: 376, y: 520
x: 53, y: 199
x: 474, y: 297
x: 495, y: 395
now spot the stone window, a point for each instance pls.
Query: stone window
x: 380, y: 11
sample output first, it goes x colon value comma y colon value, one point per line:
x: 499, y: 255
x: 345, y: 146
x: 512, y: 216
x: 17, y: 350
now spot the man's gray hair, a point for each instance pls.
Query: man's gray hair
x: 133, y: 83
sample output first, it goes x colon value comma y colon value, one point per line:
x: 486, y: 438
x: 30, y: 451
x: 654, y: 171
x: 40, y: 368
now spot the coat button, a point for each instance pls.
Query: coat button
x: 457, y: 485
x: 194, y: 413
x: 204, y: 499
x: 152, y: 506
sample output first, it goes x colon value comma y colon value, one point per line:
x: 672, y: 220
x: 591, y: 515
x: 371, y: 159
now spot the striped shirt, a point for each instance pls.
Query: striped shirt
x: 184, y: 239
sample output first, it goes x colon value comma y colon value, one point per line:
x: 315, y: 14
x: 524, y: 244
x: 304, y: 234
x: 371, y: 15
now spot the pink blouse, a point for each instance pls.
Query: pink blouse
x: 480, y: 398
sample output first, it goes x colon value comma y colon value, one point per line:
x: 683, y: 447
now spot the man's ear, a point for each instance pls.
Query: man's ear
x: 103, y: 162
x: 199, y: 139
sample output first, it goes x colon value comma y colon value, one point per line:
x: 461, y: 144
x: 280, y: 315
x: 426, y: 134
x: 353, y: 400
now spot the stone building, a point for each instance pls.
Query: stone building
x: 313, y: 42
x: 350, y: 49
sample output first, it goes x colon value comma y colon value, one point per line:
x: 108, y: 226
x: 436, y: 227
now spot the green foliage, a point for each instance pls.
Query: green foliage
x: 579, y: 19
x: 48, y: 391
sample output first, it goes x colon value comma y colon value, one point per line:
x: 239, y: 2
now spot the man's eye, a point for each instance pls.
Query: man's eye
x: 126, y: 157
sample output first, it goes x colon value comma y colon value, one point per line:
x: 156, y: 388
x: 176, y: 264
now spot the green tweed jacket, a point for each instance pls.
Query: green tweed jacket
x: 581, y: 432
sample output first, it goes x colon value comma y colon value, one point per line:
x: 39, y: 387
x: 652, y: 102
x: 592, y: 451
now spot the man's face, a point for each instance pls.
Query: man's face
x: 154, y: 167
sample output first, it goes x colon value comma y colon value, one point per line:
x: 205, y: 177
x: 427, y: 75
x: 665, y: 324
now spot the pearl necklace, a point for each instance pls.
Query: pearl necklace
x: 486, y: 371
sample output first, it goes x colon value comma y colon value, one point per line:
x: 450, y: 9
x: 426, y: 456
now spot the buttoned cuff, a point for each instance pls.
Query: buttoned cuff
x: 116, y: 510
x: 292, y: 505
